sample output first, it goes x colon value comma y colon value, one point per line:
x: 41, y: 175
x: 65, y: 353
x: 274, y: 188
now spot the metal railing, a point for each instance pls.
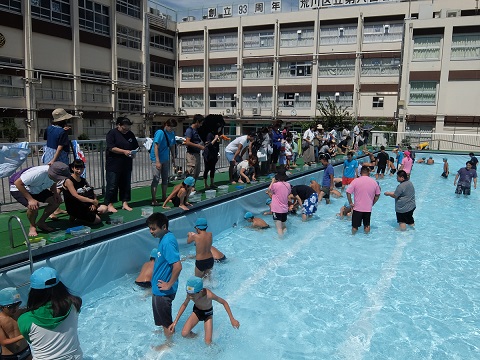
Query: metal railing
x: 94, y: 151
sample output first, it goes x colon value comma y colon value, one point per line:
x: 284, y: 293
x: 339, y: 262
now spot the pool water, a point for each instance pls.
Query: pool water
x: 321, y: 293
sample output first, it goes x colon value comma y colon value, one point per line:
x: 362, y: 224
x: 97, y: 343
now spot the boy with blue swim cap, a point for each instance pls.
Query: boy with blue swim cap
x: 203, y: 245
x: 257, y: 223
x: 202, y: 309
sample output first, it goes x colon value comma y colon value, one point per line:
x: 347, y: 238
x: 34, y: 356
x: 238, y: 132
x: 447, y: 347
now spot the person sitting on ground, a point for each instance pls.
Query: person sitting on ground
x: 343, y: 147
x: 430, y: 161
x: 245, y: 171
x: 446, y: 170
x: 422, y: 160
x: 144, y: 279
x: 180, y: 194
x: 305, y: 196
x: 345, y: 210
x: 203, y: 243
x: 202, y: 310
x: 257, y: 223
x: 39, y: 184
x: 80, y: 199
x: 14, y: 345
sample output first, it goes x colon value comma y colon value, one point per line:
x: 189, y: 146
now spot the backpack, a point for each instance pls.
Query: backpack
x: 14, y: 177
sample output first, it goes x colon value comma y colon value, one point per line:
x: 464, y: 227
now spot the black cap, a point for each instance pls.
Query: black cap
x: 123, y: 121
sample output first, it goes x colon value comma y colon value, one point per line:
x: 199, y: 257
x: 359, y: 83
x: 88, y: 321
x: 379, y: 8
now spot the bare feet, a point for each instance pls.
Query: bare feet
x: 111, y: 208
x: 183, y: 207
x: 126, y: 207
x: 60, y: 211
x: 53, y: 217
x: 32, y: 231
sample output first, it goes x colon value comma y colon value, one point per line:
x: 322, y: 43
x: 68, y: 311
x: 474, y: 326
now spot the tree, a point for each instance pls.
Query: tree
x: 10, y: 130
x: 333, y: 115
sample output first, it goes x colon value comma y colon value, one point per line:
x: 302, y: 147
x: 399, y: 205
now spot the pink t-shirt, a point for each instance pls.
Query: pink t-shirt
x: 280, y: 191
x: 407, y: 163
x: 364, y: 189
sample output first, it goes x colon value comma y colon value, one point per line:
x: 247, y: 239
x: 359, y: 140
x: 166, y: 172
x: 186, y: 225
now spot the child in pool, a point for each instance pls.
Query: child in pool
x: 202, y: 309
x: 446, y: 170
x: 345, y: 210
x: 257, y: 223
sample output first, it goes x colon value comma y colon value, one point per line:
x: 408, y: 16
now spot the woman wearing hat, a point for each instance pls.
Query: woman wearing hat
x: 58, y: 144
x: 122, y: 147
x: 50, y: 324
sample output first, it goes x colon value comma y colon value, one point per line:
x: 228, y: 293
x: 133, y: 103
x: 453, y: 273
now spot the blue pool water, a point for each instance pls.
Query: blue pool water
x: 321, y: 293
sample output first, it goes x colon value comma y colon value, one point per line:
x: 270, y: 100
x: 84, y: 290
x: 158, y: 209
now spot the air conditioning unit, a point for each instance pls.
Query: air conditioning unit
x: 255, y: 111
x: 229, y: 111
x: 452, y: 13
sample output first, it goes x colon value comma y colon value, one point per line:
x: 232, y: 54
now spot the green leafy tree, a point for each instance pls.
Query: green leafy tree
x: 10, y: 130
x: 333, y: 115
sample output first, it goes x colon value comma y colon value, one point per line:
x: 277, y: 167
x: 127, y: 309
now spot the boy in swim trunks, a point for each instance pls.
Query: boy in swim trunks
x: 203, y: 244
x: 144, y: 279
x: 202, y: 310
x: 14, y: 345
x: 257, y: 223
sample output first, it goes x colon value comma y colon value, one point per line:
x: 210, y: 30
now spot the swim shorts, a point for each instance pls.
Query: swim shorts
x: 461, y: 189
x: 25, y: 353
x: 224, y: 258
x: 144, y: 284
x: 346, y: 180
x: 381, y: 169
x: 176, y: 201
x: 406, y: 218
x: 41, y: 197
x: 326, y: 191
x: 310, y: 205
x: 444, y: 174
x: 202, y: 315
x: 204, y: 264
x: 162, y: 309
x: 358, y: 217
x: 393, y: 171
x: 279, y: 217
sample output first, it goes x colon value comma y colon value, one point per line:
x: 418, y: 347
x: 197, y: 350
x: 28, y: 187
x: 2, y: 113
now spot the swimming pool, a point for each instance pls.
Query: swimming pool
x: 320, y: 293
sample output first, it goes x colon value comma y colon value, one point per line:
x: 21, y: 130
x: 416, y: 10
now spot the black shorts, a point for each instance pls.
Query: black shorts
x: 393, y: 171
x: 381, y: 169
x: 406, y: 218
x: 358, y: 217
x: 461, y: 189
x: 204, y: 264
x: 176, y: 201
x: 144, y: 284
x: 162, y: 309
x: 24, y: 354
x: 203, y: 315
x: 326, y: 191
x: 279, y: 217
x: 41, y: 197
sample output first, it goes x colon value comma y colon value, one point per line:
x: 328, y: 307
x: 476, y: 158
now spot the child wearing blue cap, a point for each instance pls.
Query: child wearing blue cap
x: 203, y: 244
x: 51, y: 323
x: 180, y: 194
x: 446, y: 169
x: 14, y: 345
x: 257, y: 223
x: 202, y: 310
x: 345, y: 210
x: 144, y: 279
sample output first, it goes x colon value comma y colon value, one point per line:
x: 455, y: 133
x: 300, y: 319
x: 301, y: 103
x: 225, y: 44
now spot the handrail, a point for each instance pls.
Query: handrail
x: 27, y: 240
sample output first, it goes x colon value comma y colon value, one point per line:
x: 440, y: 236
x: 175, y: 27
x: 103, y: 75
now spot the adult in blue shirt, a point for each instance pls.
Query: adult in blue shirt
x: 163, y: 145
x: 276, y: 136
x: 350, y: 166
x: 327, y: 181
x: 193, y: 141
x: 464, y: 177
x: 166, y: 271
x: 58, y: 144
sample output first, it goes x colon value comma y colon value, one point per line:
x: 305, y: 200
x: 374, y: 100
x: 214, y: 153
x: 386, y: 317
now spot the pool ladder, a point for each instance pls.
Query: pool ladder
x: 27, y: 241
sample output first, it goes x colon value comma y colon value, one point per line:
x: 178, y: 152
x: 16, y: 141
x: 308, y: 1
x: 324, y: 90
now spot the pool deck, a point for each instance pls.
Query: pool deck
x: 18, y: 255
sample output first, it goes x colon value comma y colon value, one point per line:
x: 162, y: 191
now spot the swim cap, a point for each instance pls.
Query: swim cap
x: 248, y: 215
x: 153, y: 253
x: 347, y: 204
x: 423, y: 158
x: 312, y: 179
x: 445, y: 159
x: 42, y: 276
x: 201, y: 223
x: 268, y: 202
x: 190, y: 181
x: 430, y: 157
x: 9, y: 296
x: 194, y: 285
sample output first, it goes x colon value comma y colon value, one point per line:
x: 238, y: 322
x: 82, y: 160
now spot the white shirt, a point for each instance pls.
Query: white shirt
x: 356, y: 130
x: 35, y: 180
x: 308, y: 135
x: 233, y: 146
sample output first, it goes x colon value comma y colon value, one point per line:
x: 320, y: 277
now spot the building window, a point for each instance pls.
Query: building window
x: 129, y: 7
x: 373, y: 33
x: 129, y: 70
x: 97, y: 128
x: 257, y: 100
x: 296, y: 38
x: 11, y: 86
x: 377, y: 102
x: 296, y: 100
x: 223, y: 72
x: 258, y: 70
x: 222, y: 100
x: 161, y: 70
x: 295, y: 69
x: 192, y: 73
x: 52, y: 89
x: 262, y: 39
x: 11, y: 5
x: 223, y: 42
x: 94, y: 73
x: 162, y: 99
x: 426, y: 47
x: 129, y: 37
x: 11, y: 61
x: 465, y: 46
x: 192, y: 45
x: 192, y: 101
x: 381, y: 67
x: 344, y: 99
x: 333, y: 68
x: 162, y: 42
x: 57, y: 11
x: 94, y: 17
x: 96, y: 93
x: 338, y: 35
x: 423, y: 93
x: 129, y: 102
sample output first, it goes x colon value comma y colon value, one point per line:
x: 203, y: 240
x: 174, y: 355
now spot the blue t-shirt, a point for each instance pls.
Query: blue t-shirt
x: 350, y: 167
x: 466, y: 176
x: 55, y: 136
x: 399, y: 157
x: 326, y: 175
x: 167, y: 255
x: 163, y: 149
x: 194, y: 138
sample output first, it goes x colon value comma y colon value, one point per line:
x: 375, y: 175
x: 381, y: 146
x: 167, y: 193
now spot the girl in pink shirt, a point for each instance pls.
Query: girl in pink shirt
x: 280, y: 189
x: 407, y: 163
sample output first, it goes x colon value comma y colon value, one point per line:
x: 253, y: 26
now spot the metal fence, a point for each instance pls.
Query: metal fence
x: 94, y: 151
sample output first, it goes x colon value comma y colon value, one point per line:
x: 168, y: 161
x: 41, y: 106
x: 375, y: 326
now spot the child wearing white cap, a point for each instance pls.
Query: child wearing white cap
x: 202, y: 309
x: 14, y: 345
